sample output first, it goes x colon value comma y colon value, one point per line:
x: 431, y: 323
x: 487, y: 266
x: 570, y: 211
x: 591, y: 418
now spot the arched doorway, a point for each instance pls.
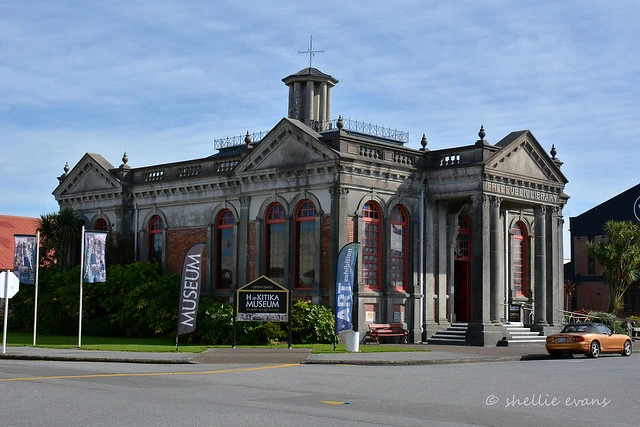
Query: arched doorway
x: 462, y: 270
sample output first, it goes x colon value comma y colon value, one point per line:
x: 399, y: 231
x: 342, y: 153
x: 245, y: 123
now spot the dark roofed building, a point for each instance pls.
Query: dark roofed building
x: 591, y: 290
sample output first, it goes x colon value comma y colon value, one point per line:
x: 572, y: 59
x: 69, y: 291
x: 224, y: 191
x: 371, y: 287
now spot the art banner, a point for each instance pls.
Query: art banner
x: 95, y: 268
x: 344, y: 286
x: 190, y: 282
x: 24, y: 258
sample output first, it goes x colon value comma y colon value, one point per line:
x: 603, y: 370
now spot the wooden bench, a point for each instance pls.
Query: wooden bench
x: 381, y: 330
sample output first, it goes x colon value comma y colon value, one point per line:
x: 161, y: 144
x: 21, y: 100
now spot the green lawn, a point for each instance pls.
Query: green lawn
x: 168, y: 344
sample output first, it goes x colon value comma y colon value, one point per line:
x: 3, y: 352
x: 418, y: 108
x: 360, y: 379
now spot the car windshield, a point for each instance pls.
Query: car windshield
x: 575, y: 328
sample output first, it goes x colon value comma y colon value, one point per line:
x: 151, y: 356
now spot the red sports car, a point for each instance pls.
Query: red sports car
x: 590, y: 339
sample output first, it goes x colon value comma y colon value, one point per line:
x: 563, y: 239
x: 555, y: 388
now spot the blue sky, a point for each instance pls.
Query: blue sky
x: 162, y: 79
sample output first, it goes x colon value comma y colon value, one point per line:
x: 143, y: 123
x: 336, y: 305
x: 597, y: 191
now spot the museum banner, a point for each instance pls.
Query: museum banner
x: 95, y: 267
x: 344, y: 286
x: 190, y: 282
x: 24, y: 258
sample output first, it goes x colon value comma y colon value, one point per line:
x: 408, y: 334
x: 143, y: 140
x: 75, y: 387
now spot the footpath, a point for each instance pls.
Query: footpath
x: 415, y: 354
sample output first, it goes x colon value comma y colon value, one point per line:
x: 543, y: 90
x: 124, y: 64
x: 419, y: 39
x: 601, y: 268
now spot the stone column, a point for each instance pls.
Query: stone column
x: 323, y: 104
x: 540, y: 288
x: 309, y: 103
x: 497, y: 275
x: 480, y: 260
x: 429, y: 267
x: 445, y: 265
x: 292, y: 102
x: 296, y: 106
x: 328, y: 102
x: 555, y: 265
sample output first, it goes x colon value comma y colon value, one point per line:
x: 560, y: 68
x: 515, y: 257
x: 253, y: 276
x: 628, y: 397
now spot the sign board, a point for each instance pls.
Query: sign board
x: 514, y: 313
x: 10, y: 280
x: 263, y: 300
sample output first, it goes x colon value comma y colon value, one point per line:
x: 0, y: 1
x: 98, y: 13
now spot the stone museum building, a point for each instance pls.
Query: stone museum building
x: 588, y: 287
x: 462, y: 239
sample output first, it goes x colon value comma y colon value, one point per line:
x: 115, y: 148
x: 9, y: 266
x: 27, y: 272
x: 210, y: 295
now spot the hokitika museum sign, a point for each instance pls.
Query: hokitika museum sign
x: 263, y: 300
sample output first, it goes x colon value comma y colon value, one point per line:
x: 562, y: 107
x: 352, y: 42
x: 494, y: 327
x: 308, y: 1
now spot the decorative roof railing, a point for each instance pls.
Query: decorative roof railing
x: 347, y: 124
x: 233, y: 141
x: 370, y: 129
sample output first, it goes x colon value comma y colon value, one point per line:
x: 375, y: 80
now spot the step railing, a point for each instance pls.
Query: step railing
x: 575, y: 317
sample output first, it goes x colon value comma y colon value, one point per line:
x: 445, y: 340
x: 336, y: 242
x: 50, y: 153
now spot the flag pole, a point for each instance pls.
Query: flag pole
x: 35, y: 305
x: 6, y: 312
x: 81, y: 279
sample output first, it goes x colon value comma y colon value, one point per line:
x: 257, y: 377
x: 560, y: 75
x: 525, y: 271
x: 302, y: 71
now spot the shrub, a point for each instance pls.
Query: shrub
x: 136, y: 301
x: 608, y: 319
x: 214, y: 324
x: 313, y: 323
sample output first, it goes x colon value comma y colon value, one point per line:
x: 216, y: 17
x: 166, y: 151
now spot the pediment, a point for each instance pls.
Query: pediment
x: 90, y: 175
x: 523, y: 157
x: 290, y: 144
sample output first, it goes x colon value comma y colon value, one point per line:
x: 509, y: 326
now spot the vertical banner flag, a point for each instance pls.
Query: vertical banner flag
x: 344, y: 286
x: 190, y: 289
x: 24, y: 258
x: 95, y: 269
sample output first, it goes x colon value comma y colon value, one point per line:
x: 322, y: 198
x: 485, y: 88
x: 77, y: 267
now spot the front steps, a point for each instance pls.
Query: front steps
x: 516, y: 333
x: 456, y: 334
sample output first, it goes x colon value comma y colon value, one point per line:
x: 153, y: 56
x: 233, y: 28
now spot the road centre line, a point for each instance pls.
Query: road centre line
x: 149, y: 374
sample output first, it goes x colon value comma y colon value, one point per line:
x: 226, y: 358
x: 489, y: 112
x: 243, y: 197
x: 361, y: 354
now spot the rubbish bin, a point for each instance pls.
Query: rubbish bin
x: 353, y: 341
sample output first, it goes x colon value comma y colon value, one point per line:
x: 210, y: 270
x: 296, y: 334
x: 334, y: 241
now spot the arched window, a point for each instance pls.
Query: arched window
x: 463, y: 241
x: 101, y: 225
x: 275, y: 245
x: 155, y: 239
x: 371, y: 246
x: 399, y: 249
x: 225, y: 246
x: 306, y: 245
x: 519, y: 233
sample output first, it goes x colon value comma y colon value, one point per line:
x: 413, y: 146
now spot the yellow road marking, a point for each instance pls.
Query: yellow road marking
x: 333, y: 402
x: 148, y: 374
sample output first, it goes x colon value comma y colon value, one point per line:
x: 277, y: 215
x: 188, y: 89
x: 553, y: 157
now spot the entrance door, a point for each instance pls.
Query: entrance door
x: 463, y: 288
x: 462, y: 270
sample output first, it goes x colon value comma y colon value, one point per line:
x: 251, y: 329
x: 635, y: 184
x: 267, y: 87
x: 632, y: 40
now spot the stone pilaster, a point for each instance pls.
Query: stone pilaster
x: 243, y: 242
x: 497, y: 263
x: 339, y: 234
x: 540, y: 288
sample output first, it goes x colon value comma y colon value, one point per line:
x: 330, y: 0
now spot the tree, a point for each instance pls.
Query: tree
x: 619, y: 255
x: 58, y: 232
x: 47, y: 229
x: 68, y: 230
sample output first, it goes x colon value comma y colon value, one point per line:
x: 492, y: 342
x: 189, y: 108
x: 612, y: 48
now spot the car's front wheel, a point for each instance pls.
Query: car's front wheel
x: 594, y: 350
x: 627, y: 349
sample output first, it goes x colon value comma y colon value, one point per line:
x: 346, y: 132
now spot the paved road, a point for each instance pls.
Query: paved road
x: 566, y: 392
x: 420, y: 354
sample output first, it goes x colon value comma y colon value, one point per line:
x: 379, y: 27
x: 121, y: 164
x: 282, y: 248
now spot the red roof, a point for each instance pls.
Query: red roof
x: 10, y: 225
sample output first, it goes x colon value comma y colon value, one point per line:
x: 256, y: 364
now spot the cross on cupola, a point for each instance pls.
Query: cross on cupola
x: 310, y: 51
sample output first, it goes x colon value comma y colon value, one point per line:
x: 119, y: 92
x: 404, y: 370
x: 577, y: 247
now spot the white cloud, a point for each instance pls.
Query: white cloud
x: 162, y: 79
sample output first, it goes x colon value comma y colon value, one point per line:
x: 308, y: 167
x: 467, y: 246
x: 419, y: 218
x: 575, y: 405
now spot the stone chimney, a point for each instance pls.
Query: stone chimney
x: 310, y: 97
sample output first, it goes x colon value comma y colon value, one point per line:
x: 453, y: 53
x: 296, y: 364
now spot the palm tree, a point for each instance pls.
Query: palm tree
x: 619, y: 256
x: 58, y: 232
x: 47, y: 229
x: 67, y: 232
